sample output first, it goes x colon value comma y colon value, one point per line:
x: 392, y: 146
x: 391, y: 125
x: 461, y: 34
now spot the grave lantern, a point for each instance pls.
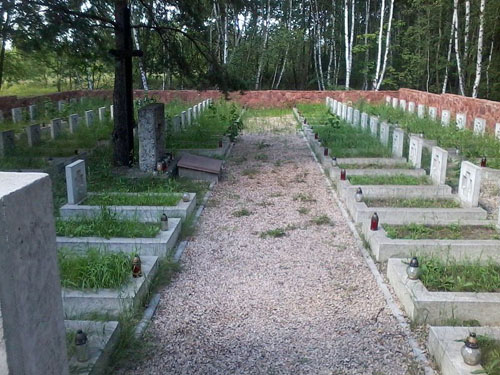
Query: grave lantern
x: 82, y: 346
x: 185, y: 197
x: 316, y: 136
x: 342, y: 175
x: 359, y: 195
x: 136, y: 267
x: 413, y: 270
x: 159, y: 167
x: 483, y: 161
x: 164, y: 165
x: 334, y: 161
x: 164, y: 222
x: 374, y: 222
x: 325, y: 151
x: 471, y: 353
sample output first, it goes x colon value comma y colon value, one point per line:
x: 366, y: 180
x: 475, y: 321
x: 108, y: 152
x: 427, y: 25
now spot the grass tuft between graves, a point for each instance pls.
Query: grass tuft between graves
x: 94, y: 269
x: 459, y: 276
x: 490, y: 355
x: 167, y: 199
x: 412, y: 203
x: 441, y: 232
x: 389, y: 180
x: 107, y: 224
x: 321, y: 220
x: 242, y: 212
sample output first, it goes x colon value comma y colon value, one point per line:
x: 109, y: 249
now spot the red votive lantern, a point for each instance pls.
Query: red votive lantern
x: 342, y: 174
x: 483, y: 161
x: 316, y: 136
x: 325, y: 151
x: 164, y: 165
x: 374, y: 222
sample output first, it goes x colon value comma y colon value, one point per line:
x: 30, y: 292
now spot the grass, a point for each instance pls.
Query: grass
x: 261, y: 157
x: 389, y: 180
x: 464, y: 276
x: 250, y: 172
x: 490, y: 355
x: 274, y: 233
x: 107, y: 225
x: 450, y: 232
x: 412, y: 203
x: 94, y: 269
x: 242, y: 212
x: 303, y: 210
x: 304, y: 197
x: 322, y: 220
x: 268, y: 112
x: 376, y: 166
x: 139, y: 199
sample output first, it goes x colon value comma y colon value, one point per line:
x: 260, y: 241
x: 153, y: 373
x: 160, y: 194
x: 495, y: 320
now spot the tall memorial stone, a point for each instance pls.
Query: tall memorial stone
x: 388, y: 100
x: 356, y: 117
x: 439, y: 162
x: 374, y: 125
x: 151, y: 135
x: 76, y: 182
x: 73, y: 122
x: 402, y: 105
x: 433, y: 113
x: 364, y: 120
x: 32, y: 112
x: 384, y: 133
x: 102, y: 113
x: 349, y: 115
x: 189, y: 115
x: 89, y: 117
x: 395, y: 102
x: 32, y: 334
x: 343, y: 114
x: 469, y: 184
x: 445, y: 117
x: 60, y: 105
x: 55, y: 128
x: 415, y: 151
x: 183, y: 119
x: 398, y: 138
x: 497, y: 130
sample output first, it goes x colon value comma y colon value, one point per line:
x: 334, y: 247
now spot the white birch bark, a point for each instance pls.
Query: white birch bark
x: 289, y: 27
x: 367, y: 52
x: 266, y: 35
x: 479, y: 59
x: 318, y: 48
x: 488, y: 71
x: 346, y: 41
x: 466, y: 28
x: 450, y: 44
x: 224, y: 51
x: 379, y: 52
x: 457, y: 49
x: 141, y: 65
x: 387, y: 46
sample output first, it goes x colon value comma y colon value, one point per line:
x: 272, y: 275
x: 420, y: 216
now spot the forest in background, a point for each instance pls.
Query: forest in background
x: 431, y: 45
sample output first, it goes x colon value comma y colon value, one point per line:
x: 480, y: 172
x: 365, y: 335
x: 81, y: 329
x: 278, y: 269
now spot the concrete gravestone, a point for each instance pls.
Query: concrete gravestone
x: 421, y: 111
x: 76, y: 182
x: 445, y: 117
x: 17, y: 115
x: 469, y: 184
x: 60, y: 105
x: 349, y: 115
x: 111, y: 113
x: 151, y: 136
x: 176, y: 123
x: 395, y: 103
x: 433, y: 113
x: 398, y: 138
x: 32, y: 334
x: 73, y: 122
x: 102, y: 113
x: 89, y: 117
x: 402, y: 105
x: 479, y: 125
x: 387, y: 100
x: 461, y: 120
x: 384, y: 133
x: 7, y: 142
x: 374, y: 125
x: 497, y: 130
x: 364, y: 120
x: 34, y: 135
x: 339, y: 109
x: 32, y: 112
x: 189, y: 117
x: 344, y: 111
x: 439, y: 162
x: 411, y: 107
x: 355, y: 117
x: 334, y: 108
x: 183, y: 119
x: 415, y: 151
x: 55, y: 128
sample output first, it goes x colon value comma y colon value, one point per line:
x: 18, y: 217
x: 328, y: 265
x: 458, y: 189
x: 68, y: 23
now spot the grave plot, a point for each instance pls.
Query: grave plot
x: 447, y: 291
x: 445, y: 345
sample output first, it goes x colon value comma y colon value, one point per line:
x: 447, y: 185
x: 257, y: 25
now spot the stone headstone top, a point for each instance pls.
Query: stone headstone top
x: 102, y: 113
x: 73, y: 122
x: 388, y: 100
x: 411, y: 107
x: 461, y: 120
x: 384, y: 133
x: 364, y: 120
x: 395, y: 102
x: 402, y: 105
x: 433, y: 113
x: 151, y: 136
x: 497, y: 130
x: 439, y: 162
x: 76, y: 182
x: 55, y: 128
x: 200, y: 163
x: 469, y: 184
x: 374, y: 125
x: 421, y: 111
x: 34, y: 135
x: 479, y: 126
x: 415, y: 151
x: 398, y: 137
x: 89, y: 117
x: 32, y: 112
x: 445, y: 117
x: 356, y: 117
x: 349, y: 115
x: 17, y: 115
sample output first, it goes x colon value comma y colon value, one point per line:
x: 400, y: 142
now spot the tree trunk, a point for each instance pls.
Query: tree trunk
x: 261, y: 59
x: 488, y: 71
x: 346, y: 40
x: 141, y: 65
x: 450, y: 44
x: 379, y: 43
x: 387, y: 46
x: 4, y: 40
x: 123, y: 136
x: 367, y: 52
x: 466, y: 31
x: 479, y: 59
x: 224, y: 51
x: 457, y: 49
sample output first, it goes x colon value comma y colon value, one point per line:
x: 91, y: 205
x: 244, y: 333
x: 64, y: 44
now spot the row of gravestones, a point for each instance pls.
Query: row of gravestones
x: 34, y: 131
x: 432, y: 112
x: 470, y: 174
x: 187, y: 117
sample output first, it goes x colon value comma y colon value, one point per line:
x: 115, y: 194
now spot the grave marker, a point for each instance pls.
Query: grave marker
x: 421, y: 111
x: 55, y: 128
x: 334, y: 108
x: 1, y: 117
x: 469, y: 184
x: 384, y: 133
x: 411, y: 107
x: 479, y: 126
x: 433, y: 113
x: 89, y: 117
x: 356, y: 117
x: 439, y: 162
x: 344, y: 111
x: 189, y: 117
x: 445, y: 117
x: 17, y: 115
x: 60, y: 105
x: 398, y: 138
x: 402, y: 105
x: 7, y: 142
x: 73, y: 122
x: 388, y: 100
x: 415, y: 151
x: 497, y: 130
x: 339, y: 109
x: 364, y: 120
x: 395, y: 103
x: 32, y: 333
x: 32, y: 112
x: 176, y: 122
x: 111, y: 113
x: 102, y: 113
x: 76, y: 182
x: 374, y: 125
x: 73, y: 101
x: 461, y: 120
x: 183, y: 119
x: 151, y: 136
x: 349, y: 115
x: 34, y: 135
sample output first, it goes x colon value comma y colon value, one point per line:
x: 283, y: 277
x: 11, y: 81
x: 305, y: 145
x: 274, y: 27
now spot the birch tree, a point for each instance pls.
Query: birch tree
x: 142, y: 72
x: 379, y: 45
x: 457, y: 49
x: 387, y: 47
x: 264, y: 47
x: 479, y: 58
x: 450, y: 44
x: 349, y: 40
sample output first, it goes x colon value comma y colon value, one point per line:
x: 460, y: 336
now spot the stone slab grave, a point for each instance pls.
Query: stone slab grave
x: 395, y: 103
x: 32, y: 335
x: 439, y: 162
x: 364, y: 120
x: 479, y: 126
x: 421, y: 111
x: 102, y: 339
x: 356, y: 117
x: 445, y: 117
x: 438, y: 308
x: 76, y: 182
x: 189, y: 116
x: 159, y: 246
x: 374, y: 125
x: 74, y: 122
x: 461, y: 120
x: 445, y: 343
x: 34, y: 134
x: 402, y: 104
x: 209, y: 152
x: 411, y: 107
x: 17, y: 115
x: 102, y: 113
x: 433, y: 113
x: 415, y: 151
x: 469, y: 184
x: 151, y: 136
x: 7, y: 142
x: 55, y: 128
x: 384, y: 247
x: 32, y: 112
x: 176, y: 123
x: 82, y: 303
x: 89, y: 117
x: 349, y: 115
x: 384, y: 133
x: 199, y: 167
x: 398, y: 139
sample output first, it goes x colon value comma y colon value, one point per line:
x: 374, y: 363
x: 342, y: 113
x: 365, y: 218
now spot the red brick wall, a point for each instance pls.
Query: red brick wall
x: 486, y: 109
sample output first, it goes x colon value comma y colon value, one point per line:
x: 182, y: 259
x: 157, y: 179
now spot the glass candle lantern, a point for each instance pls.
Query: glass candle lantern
x: 359, y: 195
x: 325, y: 151
x: 82, y: 346
x: 164, y: 222
x: 186, y: 197
x: 316, y: 136
x: 374, y: 222
x: 483, y: 161
x: 342, y: 175
x: 136, y: 267
x: 471, y: 353
x: 413, y: 269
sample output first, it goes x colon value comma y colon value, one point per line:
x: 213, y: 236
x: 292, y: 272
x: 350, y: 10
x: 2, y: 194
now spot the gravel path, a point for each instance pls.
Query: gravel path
x: 246, y: 303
